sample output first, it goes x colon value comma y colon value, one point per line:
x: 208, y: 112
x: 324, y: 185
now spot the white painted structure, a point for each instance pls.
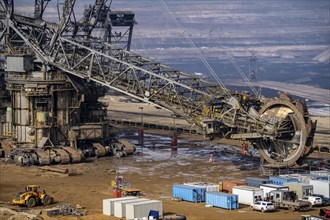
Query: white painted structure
x: 321, y: 187
x: 248, y: 194
x: 120, y: 206
x: 108, y: 204
x: 267, y: 188
x: 142, y: 209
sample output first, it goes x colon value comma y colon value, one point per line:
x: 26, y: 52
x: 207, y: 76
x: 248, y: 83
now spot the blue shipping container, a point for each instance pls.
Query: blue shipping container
x: 188, y: 193
x: 222, y: 200
x: 280, y: 180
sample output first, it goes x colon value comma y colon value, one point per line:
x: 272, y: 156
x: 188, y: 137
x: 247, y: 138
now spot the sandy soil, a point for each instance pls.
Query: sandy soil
x: 152, y: 173
x: 153, y: 170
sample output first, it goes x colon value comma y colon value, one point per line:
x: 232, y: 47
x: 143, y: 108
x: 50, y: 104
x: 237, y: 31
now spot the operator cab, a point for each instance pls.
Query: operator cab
x: 32, y: 188
x: 211, y: 126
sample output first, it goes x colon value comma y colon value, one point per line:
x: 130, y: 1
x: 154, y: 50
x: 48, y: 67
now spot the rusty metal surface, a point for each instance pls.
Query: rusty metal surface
x: 74, y: 154
x: 65, y: 157
x: 43, y: 156
x: 100, y: 150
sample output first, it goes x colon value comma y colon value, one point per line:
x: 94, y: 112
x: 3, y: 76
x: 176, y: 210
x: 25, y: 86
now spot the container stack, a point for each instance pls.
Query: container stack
x: 108, y: 204
x: 205, y: 192
x: 131, y: 207
x: 252, y: 190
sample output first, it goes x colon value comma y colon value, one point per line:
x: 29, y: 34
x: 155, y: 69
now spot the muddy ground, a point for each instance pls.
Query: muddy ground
x: 153, y: 169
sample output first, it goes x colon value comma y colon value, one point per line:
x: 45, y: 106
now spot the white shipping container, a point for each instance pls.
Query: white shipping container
x: 321, y: 187
x: 207, y: 186
x: 142, y: 209
x: 247, y: 194
x: 108, y: 204
x: 271, y: 187
x: 120, y: 206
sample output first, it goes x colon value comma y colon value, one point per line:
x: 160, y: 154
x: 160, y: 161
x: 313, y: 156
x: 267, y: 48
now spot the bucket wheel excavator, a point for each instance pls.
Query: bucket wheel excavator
x: 280, y: 127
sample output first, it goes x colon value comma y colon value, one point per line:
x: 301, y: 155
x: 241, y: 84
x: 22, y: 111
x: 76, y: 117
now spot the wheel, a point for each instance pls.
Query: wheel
x: 123, y: 193
x: 47, y: 200
x: 175, y: 217
x: 31, y: 202
x: 293, y: 132
x: 262, y: 210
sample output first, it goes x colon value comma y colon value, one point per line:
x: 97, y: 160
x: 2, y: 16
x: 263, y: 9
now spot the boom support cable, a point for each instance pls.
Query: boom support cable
x: 239, y: 70
x: 193, y: 45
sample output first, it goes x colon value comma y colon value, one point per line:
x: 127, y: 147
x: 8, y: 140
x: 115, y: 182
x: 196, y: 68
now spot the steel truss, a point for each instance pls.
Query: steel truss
x: 282, y: 130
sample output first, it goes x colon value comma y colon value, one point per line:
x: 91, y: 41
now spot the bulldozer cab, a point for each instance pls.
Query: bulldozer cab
x: 32, y: 188
x: 119, y: 182
x: 211, y: 126
x: 119, y: 179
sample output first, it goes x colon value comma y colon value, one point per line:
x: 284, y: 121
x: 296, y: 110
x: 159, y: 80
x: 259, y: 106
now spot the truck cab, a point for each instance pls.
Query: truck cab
x: 288, y: 200
x: 281, y: 195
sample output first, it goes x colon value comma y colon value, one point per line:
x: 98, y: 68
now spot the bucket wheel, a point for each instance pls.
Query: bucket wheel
x: 292, y: 130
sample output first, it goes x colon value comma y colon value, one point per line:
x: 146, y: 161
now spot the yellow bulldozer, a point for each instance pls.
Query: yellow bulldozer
x: 32, y: 196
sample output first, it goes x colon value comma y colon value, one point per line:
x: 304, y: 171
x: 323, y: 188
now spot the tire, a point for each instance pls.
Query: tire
x: 263, y: 210
x: 31, y: 202
x: 177, y: 217
x: 47, y: 200
x: 123, y: 193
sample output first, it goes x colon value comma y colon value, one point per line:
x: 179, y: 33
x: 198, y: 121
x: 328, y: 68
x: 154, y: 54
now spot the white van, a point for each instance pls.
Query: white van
x: 315, y: 200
